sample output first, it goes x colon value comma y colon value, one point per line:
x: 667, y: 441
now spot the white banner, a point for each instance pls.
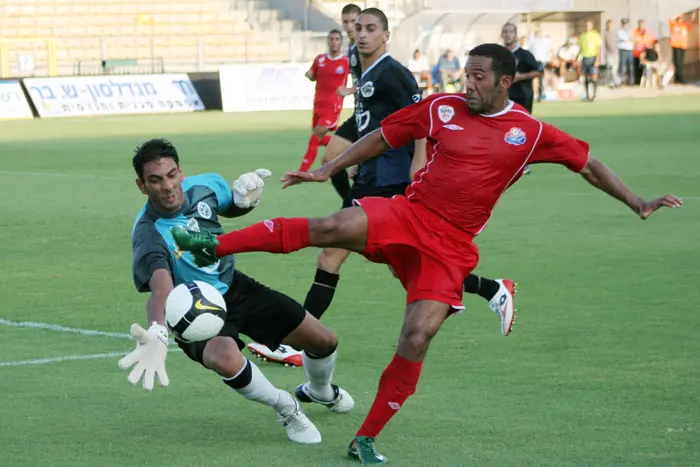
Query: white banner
x: 112, y: 95
x: 13, y: 103
x: 281, y: 86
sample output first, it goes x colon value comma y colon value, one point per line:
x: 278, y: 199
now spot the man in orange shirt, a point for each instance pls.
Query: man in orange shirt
x: 643, y: 39
x: 679, y: 42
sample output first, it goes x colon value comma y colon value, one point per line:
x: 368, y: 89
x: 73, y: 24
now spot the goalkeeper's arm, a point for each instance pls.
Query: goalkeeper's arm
x: 161, y: 284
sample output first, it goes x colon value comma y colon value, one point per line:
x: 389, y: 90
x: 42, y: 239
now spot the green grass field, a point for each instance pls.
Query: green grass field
x: 601, y: 370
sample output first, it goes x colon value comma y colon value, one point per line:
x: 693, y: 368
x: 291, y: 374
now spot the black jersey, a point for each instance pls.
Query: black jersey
x: 384, y: 88
x: 524, y: 63
x: 355, y: 67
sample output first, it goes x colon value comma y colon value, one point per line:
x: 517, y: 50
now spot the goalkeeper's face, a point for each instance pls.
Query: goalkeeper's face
x: 162, y: 183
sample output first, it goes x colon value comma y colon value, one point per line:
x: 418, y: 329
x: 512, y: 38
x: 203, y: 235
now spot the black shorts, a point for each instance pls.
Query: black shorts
x: 348, y: 130
x: 263, y: 314
x: 359, y: 191
x: 527, y: 103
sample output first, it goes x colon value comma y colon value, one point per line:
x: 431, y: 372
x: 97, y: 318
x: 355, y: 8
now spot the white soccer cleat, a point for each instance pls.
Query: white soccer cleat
x: 503, y: 304
x: 343, y: 402
x: 299, y: 428
x: 284, y: 354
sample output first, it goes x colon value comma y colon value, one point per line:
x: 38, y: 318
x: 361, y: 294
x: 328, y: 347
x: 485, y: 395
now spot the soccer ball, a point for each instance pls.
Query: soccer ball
x: 195, y: 311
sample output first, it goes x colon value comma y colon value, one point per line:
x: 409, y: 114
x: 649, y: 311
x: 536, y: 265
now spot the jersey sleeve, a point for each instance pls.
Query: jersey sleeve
x: 532, y: 63
x: 407, y: 125
x: 216, y: 183
x: 558, y: 147
x: 403, y: 88
x: 314, y: 67
x: 150, y: 254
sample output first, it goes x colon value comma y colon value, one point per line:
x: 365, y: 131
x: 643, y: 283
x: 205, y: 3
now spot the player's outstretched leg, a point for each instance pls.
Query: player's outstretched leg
x: 321, y: 293
x: 335, y: 147
x: 319, y: 350
x: 345, y: 229
x: 501, y: 296
x: 399, y: 380
x: 221, y: 354
x: 318, y: 138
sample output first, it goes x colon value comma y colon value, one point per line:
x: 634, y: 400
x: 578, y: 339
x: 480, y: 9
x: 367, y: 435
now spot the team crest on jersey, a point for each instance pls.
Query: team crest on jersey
x: 353, y: 60
x: 446, y: 113
x: 322, y: 59
x: 416, y: 98
x: 515, y: 137
x: 192, y: 224
x: 204, y: 210
x: 367, y: 89
x: 340, y: 70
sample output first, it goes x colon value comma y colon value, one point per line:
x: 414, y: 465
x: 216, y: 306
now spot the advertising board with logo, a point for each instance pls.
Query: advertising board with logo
x: 13, y: 103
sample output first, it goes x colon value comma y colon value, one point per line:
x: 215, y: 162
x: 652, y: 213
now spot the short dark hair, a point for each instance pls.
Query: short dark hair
x: 350, y: 8
x: 515, y: 28
x: 379, y: 14
x: 502, y: 59
x: 152, y: 150
x: 335, y: 31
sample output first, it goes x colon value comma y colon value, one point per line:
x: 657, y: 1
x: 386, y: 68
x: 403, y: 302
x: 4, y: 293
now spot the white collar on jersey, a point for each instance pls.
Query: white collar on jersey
x: 515, y: 49
x: 502, y: 112
x: 338, y: 57
x: 386, y: 54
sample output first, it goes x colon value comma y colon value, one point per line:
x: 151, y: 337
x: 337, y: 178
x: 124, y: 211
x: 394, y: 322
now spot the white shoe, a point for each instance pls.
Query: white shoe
x: 299, y: 428
x: 342, y: 402
x: 503, y: 304
x: 284, y: 354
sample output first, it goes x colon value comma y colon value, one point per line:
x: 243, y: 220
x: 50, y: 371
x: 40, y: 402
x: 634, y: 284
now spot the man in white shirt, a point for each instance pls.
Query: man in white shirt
x: 568, y: 55
x: 540, y: 46
x: 418, y: 65
x: 625, y: 45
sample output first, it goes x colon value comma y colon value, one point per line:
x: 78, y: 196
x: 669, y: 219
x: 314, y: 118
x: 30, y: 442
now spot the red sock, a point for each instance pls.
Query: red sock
x: 326, y: 139
x: 397, y: 383
x: 311, y: 152
x: 279, y: 235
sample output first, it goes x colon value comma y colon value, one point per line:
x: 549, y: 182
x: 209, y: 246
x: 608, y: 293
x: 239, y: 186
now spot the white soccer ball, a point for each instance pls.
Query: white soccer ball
x: 195, y: 311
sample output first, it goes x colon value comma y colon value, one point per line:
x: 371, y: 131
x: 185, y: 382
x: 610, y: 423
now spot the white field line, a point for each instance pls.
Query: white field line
x: 67, y: 358
x: 56, y: 327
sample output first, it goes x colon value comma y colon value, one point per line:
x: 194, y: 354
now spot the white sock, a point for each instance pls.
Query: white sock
x: 260, y: 389
x: 319, y: 372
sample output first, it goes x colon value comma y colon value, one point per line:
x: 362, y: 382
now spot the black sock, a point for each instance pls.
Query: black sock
x: 341, y: 183
x: 242, y: 379
x: 588, y: 81
x: 595, y: 87
x: 321, y: 293
x: 481, y: 286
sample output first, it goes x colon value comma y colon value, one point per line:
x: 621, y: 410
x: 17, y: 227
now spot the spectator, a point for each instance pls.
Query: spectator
x: 625, y: 44
x: 450, y: 71
x: 589, y: 44
x: 679, y: 42
x: 657, y: 69
x: 541, y: 48
x: 612, y: 56
x: 643, y: 39
x: 418, y: 65
x: 568, y: 55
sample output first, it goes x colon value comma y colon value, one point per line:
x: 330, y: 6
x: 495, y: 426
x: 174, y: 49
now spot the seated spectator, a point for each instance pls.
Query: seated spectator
x: 450, y: 71
x: 657, y: 69
x: 568, y: 56
x: 418, y: 65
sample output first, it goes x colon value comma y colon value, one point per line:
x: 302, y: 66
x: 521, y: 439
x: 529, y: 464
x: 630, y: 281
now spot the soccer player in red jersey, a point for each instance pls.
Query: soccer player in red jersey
x: 330, y: 71
x: 478, y: 144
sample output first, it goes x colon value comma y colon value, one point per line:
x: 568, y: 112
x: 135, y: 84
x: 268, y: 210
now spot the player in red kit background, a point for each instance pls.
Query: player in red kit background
x: 329, y: 71
x: 478, y: 144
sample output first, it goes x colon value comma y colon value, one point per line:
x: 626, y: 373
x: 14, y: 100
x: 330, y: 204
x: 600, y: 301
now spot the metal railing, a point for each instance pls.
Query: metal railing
x: 54, y: 56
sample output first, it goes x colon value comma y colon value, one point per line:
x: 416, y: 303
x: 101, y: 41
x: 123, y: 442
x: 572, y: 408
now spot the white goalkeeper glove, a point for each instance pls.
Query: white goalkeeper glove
x: 149, y: 355
x: 247, y: 190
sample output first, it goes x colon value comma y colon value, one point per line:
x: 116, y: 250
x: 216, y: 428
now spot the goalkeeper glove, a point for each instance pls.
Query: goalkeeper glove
x: 149, y: 355
x: 247, y: 190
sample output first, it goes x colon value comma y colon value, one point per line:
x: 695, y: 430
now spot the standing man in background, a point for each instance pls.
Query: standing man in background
x: 625, y: 44
x: 527, y: 69
x: 589, y: 45
x: 679, y: 42
x: 643, y: 39
x: 612, y: 55
x: 541, y: 48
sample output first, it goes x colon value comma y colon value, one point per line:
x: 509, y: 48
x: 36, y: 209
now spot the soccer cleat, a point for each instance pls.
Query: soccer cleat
x: 527, y: 170
x: 202, y: 244
x: 503, y: 304
x: 341, y: 403
x: 299, y: 428
x: 284, y: 354
x: 362, y: 449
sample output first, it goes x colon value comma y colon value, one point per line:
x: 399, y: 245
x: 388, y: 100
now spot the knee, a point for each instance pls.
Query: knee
x: 330, y: 261
x: 221, y: 354
x: 416, y: 339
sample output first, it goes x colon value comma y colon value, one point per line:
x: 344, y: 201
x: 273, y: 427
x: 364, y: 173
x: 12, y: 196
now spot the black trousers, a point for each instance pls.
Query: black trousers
x: 678, y: 61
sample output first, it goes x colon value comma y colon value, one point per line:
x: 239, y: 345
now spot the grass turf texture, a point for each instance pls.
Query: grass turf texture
x: 601, y: 368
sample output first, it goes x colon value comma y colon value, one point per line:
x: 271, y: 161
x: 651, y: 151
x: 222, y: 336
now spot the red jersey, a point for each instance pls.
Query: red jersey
x: 473, y: 158
x: 330, y: 73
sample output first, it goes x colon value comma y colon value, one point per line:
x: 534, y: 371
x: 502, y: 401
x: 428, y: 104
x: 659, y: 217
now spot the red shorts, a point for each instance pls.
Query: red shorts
x: 430, y: 256
x: 326, y: 117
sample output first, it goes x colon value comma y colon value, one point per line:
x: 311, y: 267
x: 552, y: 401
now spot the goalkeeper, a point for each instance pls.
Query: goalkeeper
x: 255, y: 310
